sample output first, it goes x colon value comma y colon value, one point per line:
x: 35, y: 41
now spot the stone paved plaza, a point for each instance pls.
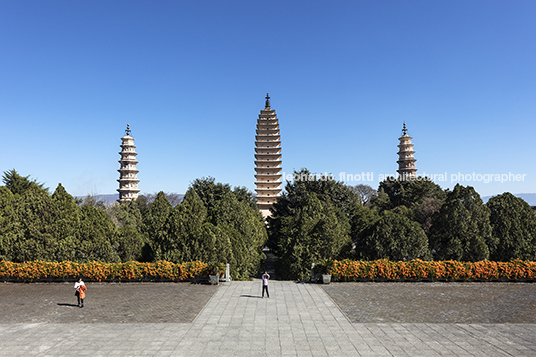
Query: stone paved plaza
x: 105, y: 303
x: 466, y: 303
x: 298, y: 320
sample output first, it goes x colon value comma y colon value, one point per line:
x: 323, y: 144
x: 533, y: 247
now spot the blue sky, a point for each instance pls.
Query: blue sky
x: 190, y: 77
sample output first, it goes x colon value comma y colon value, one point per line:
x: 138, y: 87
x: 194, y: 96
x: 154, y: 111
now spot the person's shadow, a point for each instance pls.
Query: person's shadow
x: 251, y: 296
x: 71, y: 305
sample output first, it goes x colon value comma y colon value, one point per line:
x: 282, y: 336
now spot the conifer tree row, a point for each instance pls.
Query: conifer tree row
x: 403, y: 220
x: 213, y: 224
x: 316, y: 218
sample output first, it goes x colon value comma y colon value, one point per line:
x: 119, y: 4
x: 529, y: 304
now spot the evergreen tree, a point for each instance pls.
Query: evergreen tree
x: 420, y: 195
x: 381, y: 202
x: 362, y: 219
x: 247, y: 222
x: 210, y: 192
x: 513, y: 223
x: 8, y: 224
x: 223, y: 247
x: 18, y: 185
x: 296, y: 193
x: 424, y: 212
x: 462, y: 229
x: 204, y: 244
x: 35, y: 215
x: 185, y: 240
x: 154, y: 224
x: 410, y: 192
x: 66, y: 224
x: 125, y: 214
x: 239, y: 223
x: 311, y: 221
x: 394, y: 237
x: 141, y: 204
x: 244, y: 195
x: 129, y: 244
x: 317, y: 231
x: 97, y: 234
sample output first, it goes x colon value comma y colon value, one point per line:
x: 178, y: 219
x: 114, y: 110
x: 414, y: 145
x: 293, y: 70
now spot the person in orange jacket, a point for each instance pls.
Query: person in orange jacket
x: 80, y: 293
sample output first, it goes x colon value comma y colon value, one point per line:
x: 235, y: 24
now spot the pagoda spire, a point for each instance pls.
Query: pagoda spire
x: 406, y: 160
x: 267, y: 103
x: 128, y: 179
x: 267, y: 159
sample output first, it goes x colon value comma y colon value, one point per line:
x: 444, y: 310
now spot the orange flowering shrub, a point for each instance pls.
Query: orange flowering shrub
x: 416, y: 270
x: 98, y: 271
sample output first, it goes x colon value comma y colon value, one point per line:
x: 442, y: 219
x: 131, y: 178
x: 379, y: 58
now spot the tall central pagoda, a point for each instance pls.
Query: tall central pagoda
x: 128, y: 174
x: 406, y: 160
x: 267, y: 159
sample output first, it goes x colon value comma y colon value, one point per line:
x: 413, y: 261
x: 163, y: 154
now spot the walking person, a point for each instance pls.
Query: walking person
x: 265, y: 278
x: 80, y: 293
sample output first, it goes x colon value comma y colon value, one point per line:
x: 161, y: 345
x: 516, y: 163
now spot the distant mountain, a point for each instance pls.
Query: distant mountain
x: 107, y: 199
x: 112, y: 198
x: 530, y: 198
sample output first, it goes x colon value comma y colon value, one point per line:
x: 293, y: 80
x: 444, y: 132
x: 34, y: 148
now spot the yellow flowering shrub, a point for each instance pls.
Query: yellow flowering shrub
x: 417, y: 270
x: 98, y: 271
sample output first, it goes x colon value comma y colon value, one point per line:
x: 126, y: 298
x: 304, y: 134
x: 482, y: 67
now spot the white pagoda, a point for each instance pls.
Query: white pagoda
x: 267, y: 159
x: 128, y: 179
x: 406, y: 161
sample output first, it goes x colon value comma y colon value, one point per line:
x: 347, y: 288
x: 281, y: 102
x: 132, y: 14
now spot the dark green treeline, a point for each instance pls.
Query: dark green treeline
x: 321, y: 219
x: 214, y: 223
x: 315, y: 219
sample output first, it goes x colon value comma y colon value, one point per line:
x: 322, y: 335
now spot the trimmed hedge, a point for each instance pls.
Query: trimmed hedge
x: 418, y: 270
x: 98, y: 271
x: 344, y: 270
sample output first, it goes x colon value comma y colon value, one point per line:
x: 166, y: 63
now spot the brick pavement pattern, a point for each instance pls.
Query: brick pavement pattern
x: 105, y: 303
x: 298, y: 320
x: 436, y: 302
